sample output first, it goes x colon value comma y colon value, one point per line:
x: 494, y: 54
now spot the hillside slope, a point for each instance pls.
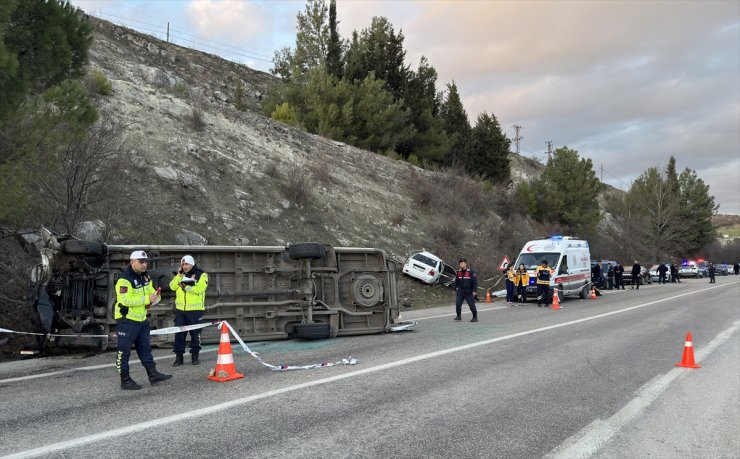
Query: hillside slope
x: 241, y: 179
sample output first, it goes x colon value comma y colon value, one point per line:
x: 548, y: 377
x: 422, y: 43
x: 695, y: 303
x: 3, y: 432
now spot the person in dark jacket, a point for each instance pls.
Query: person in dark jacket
x: 466, y: 288
x: 619, y: 276
x: 610, y: 276
x: 674, y: 272
x: 636, y: 275
x: 596, y: 274
x: 662, y: 271
x: 712, y: 273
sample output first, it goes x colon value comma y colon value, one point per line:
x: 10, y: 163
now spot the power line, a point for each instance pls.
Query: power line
x: 185, y: 37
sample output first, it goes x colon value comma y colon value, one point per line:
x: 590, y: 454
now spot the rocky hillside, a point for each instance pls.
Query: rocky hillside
x: 242, y: 178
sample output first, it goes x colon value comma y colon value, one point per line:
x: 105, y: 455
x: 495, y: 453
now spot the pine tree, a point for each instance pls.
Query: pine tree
x: 488, y: 154
x: 568, y: 191
x: 334, y: 48
x: 456, y: 126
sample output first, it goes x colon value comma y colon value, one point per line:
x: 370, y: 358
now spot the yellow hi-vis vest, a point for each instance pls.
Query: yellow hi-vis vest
x: 132, y: 292
x: 543, y: 275
x: 193, y: 299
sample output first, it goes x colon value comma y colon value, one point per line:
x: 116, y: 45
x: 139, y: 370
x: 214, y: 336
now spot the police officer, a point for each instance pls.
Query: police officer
x: 543, y: 273
x: 596, y: 274
x: 712, y: 273
x: 662, y: 273
x: 134, y: 295
x: 618, y: 279
x: 466, y: 287
x: 190, y: 285
x: 636, y: 275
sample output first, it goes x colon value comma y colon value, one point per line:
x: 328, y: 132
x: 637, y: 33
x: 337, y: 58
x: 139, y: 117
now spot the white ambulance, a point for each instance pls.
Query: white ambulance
x: 569, y: 258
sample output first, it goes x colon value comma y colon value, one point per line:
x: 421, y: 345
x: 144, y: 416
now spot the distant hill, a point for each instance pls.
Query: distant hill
x: 727, y: 226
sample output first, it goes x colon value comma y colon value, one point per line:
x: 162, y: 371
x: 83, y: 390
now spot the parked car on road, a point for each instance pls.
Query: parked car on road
x: 429, y: 269
x: 644, y: 275
x: 655, y: 276
x: 723, y: 269
x: 689, y: 269
x: 703, y: 268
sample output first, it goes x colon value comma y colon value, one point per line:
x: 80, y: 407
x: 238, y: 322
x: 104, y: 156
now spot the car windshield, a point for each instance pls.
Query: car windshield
x: 533, y: 260
x: 425, y: 259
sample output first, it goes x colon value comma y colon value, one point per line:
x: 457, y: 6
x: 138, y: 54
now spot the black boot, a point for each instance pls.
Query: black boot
x: 194, y: 358
x: 127, y: 383
x: 156, y: 377
x: 178, y: 360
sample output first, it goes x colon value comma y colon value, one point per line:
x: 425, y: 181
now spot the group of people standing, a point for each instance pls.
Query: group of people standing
x: 135, y: 294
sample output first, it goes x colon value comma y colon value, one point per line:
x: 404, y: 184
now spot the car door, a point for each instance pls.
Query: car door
x: 447, y: 275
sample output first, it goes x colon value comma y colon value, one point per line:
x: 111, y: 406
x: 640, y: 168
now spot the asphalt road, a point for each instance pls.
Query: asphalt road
x: 595, y: 379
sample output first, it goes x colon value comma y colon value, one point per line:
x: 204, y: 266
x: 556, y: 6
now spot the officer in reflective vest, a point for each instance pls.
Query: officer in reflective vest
x: 189, y: 286
x: 134, y: 295
x: 543, y: 273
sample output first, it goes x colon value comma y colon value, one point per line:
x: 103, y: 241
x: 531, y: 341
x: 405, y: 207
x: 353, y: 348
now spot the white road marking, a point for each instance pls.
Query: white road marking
x: 596, y: 435
x: 177, y: 418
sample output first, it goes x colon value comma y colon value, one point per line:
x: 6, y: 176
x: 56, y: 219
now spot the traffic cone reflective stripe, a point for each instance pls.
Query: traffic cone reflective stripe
x: 593, y: 293
x: 225, y: 369
x: 688, y: 354
x: 555, y: 302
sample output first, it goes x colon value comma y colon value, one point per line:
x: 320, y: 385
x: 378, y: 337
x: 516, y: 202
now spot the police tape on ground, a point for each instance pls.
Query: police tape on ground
x: 169, y: 330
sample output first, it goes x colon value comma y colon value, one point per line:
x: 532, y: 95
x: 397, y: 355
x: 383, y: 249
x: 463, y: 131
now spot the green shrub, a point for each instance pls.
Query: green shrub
x: 180, y: 89
x: 98, y: 83
x: 285, y: 114
x: 413, y: 159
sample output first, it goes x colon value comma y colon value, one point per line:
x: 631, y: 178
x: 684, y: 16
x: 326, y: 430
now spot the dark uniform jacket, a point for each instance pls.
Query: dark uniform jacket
x: 466, y: 282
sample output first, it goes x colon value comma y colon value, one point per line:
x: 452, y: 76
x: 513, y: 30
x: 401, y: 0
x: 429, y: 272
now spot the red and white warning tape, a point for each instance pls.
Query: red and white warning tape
x: 348, y: 361
x: 169, y: 330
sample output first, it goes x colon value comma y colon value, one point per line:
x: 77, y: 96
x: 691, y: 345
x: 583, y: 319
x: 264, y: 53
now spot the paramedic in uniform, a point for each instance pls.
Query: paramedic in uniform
x: 466, y: 286
x: 134, y: 295
x: 522, y: 281
x: 543, y: 273
x: 190, y: 285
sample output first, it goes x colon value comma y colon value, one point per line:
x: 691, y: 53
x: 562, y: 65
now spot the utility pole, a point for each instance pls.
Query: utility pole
x: 549, y: 149
x: 602, y: 172
x: 517, y: 137
x: 168, y: 32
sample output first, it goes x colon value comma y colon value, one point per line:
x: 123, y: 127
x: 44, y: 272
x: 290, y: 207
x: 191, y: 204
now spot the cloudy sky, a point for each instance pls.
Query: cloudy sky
x: 626, y: 83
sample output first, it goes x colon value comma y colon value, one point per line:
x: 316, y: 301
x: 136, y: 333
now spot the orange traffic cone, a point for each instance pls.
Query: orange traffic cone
x: 688, y: 354
x: 488, y: 296
x: 593, y: 293
x: 225, y: 369
x: 555, y: 302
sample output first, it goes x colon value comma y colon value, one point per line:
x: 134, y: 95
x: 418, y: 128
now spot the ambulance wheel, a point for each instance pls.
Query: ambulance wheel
x: 583, y: 294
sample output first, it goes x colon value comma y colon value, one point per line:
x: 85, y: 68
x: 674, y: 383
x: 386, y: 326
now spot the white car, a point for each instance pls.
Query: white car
x: 689, y: 269
x: 429, y: 269
x: 655, y: 276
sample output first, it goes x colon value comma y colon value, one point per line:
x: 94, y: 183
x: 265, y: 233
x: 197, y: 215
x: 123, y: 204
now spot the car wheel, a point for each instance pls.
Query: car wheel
x: 583, y: 294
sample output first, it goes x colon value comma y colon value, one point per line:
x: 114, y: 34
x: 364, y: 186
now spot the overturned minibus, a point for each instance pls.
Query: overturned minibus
x: 304, y: 290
